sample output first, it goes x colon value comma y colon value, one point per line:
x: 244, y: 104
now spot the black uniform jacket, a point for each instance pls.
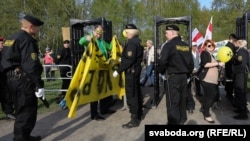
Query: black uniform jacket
x: 228, y: 65
x: 21, y: 50
x: 132, y: 56
x: 241, y: 61
x: 64, y: 56
x: 176, y: 57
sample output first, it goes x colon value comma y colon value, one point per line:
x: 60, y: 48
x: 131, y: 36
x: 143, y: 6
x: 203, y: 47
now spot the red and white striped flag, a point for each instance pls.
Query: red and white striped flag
x: 209, y: 30
x: 197, y: 37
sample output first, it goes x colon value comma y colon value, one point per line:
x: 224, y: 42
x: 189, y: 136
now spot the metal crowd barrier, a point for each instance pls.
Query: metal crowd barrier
x: 69, y: 76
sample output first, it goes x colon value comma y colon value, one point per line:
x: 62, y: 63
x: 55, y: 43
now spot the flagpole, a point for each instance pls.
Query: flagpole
x: 208, y: 31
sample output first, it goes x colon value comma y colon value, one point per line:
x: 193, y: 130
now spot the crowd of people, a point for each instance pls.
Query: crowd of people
x: 187, y: 72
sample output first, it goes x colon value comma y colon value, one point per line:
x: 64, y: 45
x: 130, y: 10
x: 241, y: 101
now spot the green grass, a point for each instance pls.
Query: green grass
x: 50, y: 96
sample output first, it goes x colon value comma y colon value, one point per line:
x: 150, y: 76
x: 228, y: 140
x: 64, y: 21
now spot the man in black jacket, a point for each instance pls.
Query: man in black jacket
x: 176, y: 58
x: 64, y: 58
x: 5, y: 98
x: 228, y: 69
x: 23, y: 69
x: 131, y: 59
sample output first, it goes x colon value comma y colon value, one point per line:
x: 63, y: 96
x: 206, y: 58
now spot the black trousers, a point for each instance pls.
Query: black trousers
x: 229, y: 88
x: 240, y: 87
x: 105, y: 104
x: 190, y: 99
x: 25, y: 103
x: 5, y: 97
x: 65, y: 82
x: 195, y: 83
x: 133, y: 94
x: 176, y: 97
x: 210, y: 96
x: 94, y: 108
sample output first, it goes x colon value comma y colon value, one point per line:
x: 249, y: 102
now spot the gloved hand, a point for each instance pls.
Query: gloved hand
x: 40, y: 93
x: 115, y: 73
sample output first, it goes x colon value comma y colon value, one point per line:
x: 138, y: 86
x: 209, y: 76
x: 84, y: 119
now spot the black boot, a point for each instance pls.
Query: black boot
x: 134, y: 122
x: 241, y: 116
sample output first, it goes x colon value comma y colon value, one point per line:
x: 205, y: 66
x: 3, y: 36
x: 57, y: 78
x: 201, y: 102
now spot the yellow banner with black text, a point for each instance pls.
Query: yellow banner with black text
x: 93, y: 78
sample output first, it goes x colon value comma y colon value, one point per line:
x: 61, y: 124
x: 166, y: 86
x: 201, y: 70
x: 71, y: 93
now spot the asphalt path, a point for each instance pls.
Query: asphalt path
x: 56, y: 126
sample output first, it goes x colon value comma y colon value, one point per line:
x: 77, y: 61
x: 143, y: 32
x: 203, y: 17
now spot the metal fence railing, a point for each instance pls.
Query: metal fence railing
x: 69, y: 76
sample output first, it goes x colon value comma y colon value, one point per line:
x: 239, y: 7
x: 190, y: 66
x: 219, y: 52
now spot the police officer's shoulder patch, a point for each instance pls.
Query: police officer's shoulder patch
x: 34, y: 56
x: 8, y: 43
x: 129, y: 53
x: 239, y: 58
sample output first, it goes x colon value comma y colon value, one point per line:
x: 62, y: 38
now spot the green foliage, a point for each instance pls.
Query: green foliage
x: 57, y: 13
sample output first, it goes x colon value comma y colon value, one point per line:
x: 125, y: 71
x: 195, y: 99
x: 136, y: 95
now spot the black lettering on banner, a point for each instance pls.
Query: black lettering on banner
x: 84, y: 58
x: 72, y: 94
x: 98, y: 54
x: 118, y: 53
x: 87, y: 86
x: 109, y: 82
x: 88, y: 53
x: 100, y: 81
x: 115, y: 67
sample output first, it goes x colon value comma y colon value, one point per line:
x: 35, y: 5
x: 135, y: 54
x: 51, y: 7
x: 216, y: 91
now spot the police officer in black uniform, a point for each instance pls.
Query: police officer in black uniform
x: 176, y: 58
x: 240, y: 75
x: 64, y: 58
x: 23, y: 70
x: 5, y: 98
x: 131, y: 59
x: 228, y: 69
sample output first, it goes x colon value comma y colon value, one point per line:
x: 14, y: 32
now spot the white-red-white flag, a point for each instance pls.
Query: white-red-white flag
x: 197, y: 37
x: 209, y: 30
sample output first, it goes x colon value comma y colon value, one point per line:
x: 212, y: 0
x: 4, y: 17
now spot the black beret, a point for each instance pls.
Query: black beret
x: 130, y: 26
x: 233, y: 36
x: 172, y: 27
x: 35, y: 21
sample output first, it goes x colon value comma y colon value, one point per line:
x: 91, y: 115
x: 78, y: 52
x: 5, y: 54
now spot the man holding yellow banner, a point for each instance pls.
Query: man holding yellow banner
x: 104, y: 49
x: 92, y: 79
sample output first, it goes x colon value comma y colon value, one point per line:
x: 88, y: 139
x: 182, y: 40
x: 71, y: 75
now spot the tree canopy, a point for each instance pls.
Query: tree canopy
x: 57, y: 13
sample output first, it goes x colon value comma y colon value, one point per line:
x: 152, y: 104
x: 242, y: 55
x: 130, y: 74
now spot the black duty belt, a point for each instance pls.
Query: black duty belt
x: 176, y: 73
x: 16, y: 73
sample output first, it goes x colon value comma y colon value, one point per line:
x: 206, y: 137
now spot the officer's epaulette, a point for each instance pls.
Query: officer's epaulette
x: 8, y: 43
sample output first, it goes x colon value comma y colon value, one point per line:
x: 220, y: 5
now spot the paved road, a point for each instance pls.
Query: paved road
x: 55, y: 126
